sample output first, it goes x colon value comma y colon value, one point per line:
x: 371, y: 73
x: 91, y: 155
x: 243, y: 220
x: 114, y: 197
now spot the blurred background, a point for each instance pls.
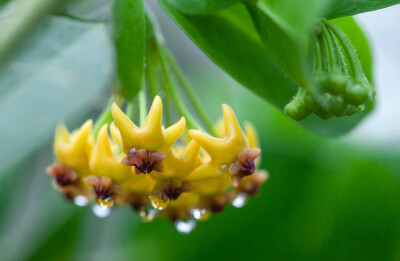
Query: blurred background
x: 326, y: 199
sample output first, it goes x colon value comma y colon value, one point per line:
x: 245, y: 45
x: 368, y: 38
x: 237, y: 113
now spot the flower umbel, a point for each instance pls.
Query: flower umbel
x: 146, y: 166
x: 146, y: 169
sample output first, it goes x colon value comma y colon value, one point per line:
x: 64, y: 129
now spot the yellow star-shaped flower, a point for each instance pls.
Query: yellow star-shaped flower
x: 223, y: 151
x: 73, y: 149
x: 151, y: 135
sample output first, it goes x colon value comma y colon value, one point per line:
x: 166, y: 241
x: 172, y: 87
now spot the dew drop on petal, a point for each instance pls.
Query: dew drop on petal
x: 159, y: 202
x: 101, y: 211
x: 148, y: 214
x: 108, y: 202
x: 240, y: 200
x: 81, y: 201
x: 224, y: 167
x: 185, y: 226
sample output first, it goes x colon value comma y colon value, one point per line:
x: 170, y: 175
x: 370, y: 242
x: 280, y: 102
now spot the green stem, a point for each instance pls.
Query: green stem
x: 152, y: 79
x: 168, y: 118
x: 340, y: 59
x: 130, y: 109
x: 105, y: 117
x: 332, y: 62
x: 318, y: 55
x: 348, y: 48
x: 172, y: 90
x: 142, y: 104
x: 189, y: 91
x: 323, y: 57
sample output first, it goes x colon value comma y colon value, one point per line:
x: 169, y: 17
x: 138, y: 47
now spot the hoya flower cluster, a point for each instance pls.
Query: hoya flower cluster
x: 147, y: 168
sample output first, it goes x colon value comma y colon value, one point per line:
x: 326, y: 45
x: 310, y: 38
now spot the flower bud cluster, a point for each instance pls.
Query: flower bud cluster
x: 339, y: 86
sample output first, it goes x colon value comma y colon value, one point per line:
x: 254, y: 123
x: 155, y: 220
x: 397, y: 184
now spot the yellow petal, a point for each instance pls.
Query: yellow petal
x: 174, y: 132
x: 185, y: 201
x: 153, y: 120
x: 220, y: 128
x: 102, y: 161
x: 212, y: 145
x: 115, y: 134
x: 252, y: 135
x: 223, y: 151
x: 211, y: 186
x: 189, y: 158
x: 73, y: 149
x: 102, y: 148
x: 141, y: 184
x: 232, y: 127
x: 126, y: 128
x: 202, y: 172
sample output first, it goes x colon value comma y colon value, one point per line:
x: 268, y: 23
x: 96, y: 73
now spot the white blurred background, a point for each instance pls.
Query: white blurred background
x: 382, y: 27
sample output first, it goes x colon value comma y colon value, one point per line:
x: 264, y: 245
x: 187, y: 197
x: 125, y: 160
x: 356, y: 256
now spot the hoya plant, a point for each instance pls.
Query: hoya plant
x: 154, y: 147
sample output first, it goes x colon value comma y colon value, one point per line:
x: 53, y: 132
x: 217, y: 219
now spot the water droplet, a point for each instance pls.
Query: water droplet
x: 148, y: 214
x: 185, y: 226
x: 240, y: 200
x: 224, y: 167
x: 159, y: 202
x: 81, y: 201
x: 199, y: 214
x: 101, y: 211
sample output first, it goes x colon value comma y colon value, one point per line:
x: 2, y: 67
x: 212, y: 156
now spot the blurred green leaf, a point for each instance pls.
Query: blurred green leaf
x: 240, y: 53
x: 229, y: 39
x: 339, y: 8
x: 284, y: 27
x: 28, y: 218
x: 61, y: 69
x: 128, y: 30
x: 201, y: 6
x: 90, y: 10
x: 17, y: 17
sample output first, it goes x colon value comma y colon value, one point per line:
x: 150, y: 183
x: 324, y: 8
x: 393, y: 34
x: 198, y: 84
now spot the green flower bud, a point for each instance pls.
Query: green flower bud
x: 358, y: 92
x: 297, y: 109
x: 322, y: 112
x: 335, y: 82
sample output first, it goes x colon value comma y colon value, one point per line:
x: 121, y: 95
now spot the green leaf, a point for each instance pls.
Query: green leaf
x: 225, y: 38
x: 284, y: 27
x: 89, y: 10
x: 17, y: 17
x: 31, y: 190
x: 229, y: 39
x: 61, y: 69
x: 340, y: 8
x: 201, y: 6
x: 128, y: 31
